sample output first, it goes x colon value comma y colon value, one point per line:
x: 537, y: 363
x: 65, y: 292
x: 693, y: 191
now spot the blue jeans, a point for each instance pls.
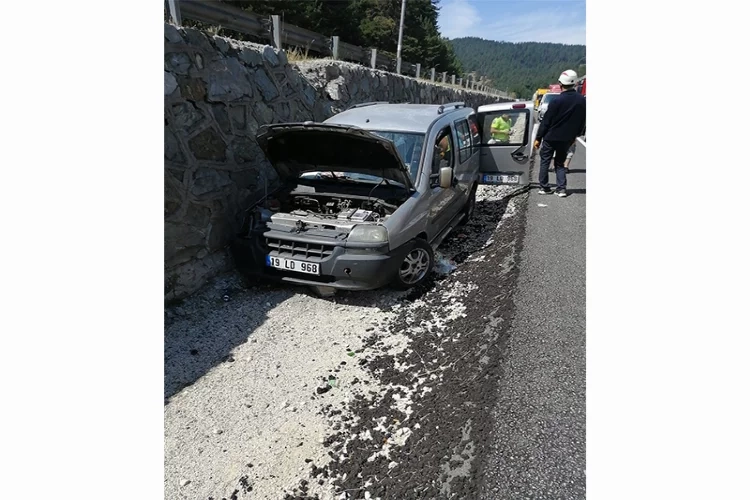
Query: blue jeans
x: 559, y: 150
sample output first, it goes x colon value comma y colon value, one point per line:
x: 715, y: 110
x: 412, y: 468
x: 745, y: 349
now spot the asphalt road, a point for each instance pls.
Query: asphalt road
x: 539, y: 445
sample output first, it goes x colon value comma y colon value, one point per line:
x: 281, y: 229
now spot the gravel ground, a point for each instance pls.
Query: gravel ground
x: 273, y: 393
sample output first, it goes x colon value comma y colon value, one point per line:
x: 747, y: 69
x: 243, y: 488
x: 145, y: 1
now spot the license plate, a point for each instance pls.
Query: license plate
x: 299, y: 266
x: 502, y: 179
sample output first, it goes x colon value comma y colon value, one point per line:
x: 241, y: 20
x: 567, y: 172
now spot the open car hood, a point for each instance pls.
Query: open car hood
x: 296, y: 148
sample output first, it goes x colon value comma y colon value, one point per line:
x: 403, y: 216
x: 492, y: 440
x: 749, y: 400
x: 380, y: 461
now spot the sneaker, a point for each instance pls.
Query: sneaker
x: 545, y: 191
x: 562, y: 193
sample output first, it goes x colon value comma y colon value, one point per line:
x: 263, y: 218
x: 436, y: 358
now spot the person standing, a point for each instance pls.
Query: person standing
x: 568, y: 159
x: 500, y: 128
x: 564, y: 121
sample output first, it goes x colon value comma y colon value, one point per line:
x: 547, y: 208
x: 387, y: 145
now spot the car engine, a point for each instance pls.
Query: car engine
x: 331, y: 212
x: 321, y: 211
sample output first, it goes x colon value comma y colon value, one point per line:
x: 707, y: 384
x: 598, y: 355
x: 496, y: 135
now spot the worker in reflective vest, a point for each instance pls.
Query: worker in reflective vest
x: 500, y: 128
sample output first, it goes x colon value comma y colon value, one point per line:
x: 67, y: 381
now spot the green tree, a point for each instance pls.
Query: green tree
x: 369, y: 24
x: 519, y: 68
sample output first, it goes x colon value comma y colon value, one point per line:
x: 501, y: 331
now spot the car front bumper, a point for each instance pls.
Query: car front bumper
x: 341, y: 268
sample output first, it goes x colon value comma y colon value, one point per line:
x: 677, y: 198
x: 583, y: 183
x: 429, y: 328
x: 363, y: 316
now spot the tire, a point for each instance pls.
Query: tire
x: 416, y: 266
x: 468, y: 209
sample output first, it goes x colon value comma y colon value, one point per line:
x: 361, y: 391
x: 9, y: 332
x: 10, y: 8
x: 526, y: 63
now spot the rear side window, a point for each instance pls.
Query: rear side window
x: 507, y: 127
x: 476, y: 139
x: 464, y: 140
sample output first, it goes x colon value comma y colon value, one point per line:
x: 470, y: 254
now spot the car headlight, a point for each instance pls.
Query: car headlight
x: 366, y: 233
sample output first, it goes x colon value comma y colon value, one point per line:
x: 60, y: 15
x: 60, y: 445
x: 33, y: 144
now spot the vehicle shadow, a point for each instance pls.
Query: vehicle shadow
x: 575, y: 191
x: 203, y: 330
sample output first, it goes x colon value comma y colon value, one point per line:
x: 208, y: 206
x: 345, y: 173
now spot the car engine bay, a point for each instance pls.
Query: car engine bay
x: 305, y: 206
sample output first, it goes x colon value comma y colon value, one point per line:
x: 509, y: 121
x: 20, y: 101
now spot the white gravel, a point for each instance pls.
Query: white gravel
x: 252, y: 416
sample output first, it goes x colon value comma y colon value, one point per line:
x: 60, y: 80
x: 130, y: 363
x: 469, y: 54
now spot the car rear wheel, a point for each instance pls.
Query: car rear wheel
x: 416, y: 265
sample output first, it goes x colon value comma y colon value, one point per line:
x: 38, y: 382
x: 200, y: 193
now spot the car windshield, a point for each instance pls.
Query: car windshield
x: 548, y: 98
x: 408, y: 145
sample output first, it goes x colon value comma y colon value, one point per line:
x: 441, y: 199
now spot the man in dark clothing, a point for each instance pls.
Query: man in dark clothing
x: 564, y: 121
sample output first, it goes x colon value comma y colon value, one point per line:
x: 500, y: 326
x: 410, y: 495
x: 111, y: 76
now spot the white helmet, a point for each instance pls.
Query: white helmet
x: 568, y: 77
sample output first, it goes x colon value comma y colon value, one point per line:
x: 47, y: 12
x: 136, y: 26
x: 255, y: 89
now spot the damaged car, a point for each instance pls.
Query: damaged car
x: 364, y: 197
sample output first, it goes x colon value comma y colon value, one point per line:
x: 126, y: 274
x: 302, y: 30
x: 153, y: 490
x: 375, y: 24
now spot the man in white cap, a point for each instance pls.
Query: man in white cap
x: 564, y: 121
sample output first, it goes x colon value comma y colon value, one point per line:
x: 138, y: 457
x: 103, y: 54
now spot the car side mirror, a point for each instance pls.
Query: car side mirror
x: 446, y: 177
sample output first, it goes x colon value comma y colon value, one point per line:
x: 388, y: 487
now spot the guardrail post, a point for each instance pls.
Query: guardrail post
x: 445, y: 74
x: 419, y: 69
x: 460, y: 82
x: 374, y: 58
x: 453, y: 79
x: 335, y: 46
x: 432, y: 75
x: 174, y: 12
x: 276, y: 31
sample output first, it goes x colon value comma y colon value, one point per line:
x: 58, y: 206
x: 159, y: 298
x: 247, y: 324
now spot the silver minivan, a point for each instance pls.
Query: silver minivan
x: 366, y: 196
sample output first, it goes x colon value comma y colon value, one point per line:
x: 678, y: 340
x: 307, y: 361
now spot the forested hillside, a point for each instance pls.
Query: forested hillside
x: 519, y: 68
x: 369, y: 23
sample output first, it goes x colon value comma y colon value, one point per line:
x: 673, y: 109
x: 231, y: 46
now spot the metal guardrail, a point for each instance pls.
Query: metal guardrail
x: 224, y: 15
x: 280, y: 34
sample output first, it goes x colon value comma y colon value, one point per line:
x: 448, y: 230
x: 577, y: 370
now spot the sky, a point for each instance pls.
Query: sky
x: 556, y: 21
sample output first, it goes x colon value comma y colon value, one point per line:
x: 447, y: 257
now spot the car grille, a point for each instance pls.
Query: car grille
x: 292, y: 249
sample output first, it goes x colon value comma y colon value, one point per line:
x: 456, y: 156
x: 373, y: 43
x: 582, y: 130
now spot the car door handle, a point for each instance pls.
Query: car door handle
x: 519, y: 154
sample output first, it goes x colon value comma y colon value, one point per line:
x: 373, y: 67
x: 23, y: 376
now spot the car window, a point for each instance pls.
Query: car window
x: 443, y: 152
x: 506, y: 127
x: 548, y: 98
x: 475, y: 137
x: 464, y: 140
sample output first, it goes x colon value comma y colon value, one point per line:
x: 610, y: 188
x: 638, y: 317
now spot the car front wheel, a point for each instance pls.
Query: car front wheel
x: 416, y: 265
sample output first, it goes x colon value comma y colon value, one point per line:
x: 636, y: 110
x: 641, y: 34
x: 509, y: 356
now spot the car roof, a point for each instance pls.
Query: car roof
x: 396, y: 117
